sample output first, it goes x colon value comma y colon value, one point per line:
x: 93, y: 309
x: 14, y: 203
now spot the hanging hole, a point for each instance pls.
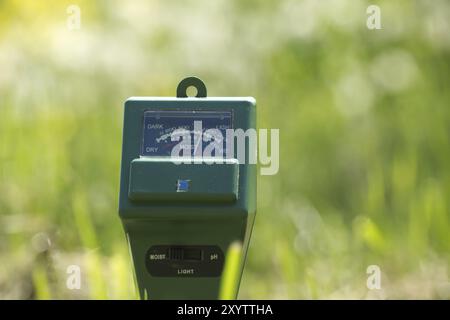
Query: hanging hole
x: 191, y: 91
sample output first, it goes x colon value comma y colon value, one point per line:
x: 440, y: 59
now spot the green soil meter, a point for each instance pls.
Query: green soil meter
x: 187, y: 189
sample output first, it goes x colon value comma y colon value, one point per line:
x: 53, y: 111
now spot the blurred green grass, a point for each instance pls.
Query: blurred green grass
x: 364, y: 124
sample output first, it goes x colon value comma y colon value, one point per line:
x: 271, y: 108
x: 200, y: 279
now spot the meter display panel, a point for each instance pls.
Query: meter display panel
x: 159, y: 126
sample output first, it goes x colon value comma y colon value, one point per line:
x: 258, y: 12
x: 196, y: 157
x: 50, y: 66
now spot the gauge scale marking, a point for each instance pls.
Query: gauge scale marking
x: 159, y: 126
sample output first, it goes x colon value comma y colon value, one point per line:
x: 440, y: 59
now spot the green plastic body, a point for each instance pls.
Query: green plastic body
x: 218, y: 210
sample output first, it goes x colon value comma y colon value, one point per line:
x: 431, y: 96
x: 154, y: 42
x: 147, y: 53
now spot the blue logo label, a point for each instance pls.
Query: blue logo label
x: 183, y: 185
